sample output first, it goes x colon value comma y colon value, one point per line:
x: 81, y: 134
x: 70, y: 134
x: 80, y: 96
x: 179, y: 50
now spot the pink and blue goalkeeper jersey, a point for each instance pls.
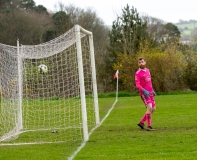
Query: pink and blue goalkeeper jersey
x: 143, y: 80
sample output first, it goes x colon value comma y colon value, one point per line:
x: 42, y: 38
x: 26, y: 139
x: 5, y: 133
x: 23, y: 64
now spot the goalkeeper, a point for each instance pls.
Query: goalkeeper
x: 144, y: 84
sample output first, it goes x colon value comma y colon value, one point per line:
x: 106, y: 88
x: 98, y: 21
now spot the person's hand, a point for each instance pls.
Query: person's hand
x: 146, y: 93
x: 154, y: 94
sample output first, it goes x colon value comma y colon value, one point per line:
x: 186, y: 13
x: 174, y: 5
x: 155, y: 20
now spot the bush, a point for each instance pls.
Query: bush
x: 190, y: 74
x: 166, y: 66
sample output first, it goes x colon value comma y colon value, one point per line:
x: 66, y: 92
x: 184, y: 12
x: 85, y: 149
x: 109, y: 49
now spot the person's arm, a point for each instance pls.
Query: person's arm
x: 146, y: 93
x: 138, y: 85
x: 154, y: 93
x: 137, y: 82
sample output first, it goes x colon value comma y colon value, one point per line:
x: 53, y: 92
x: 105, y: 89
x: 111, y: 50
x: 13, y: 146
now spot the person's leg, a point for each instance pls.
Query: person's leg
x: 153, y: 104
x: 149, y: 112
x: 144, y: 118
x: 141, y: 123
x: 150, y: 109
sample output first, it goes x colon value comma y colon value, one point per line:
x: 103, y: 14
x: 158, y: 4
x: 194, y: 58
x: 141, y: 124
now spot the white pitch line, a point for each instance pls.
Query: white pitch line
x: 84, y: 142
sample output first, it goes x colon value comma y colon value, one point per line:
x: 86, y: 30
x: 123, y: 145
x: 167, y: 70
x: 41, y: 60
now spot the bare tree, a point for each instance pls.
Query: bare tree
x: 29, y: 26
x: 154, y: 27
x: 88, y: 19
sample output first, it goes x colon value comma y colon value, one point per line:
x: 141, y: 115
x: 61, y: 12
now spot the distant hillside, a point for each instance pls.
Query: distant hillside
x: 186, y: 28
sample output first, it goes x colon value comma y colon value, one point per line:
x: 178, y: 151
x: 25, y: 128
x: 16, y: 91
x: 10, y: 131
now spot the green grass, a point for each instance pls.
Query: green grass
x: 186, y: 28
x: 190, y: 25
x: 41, y: 117
x: 120, y: 138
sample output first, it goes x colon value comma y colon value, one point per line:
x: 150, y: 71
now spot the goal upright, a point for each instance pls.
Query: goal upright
x: 59, y: 106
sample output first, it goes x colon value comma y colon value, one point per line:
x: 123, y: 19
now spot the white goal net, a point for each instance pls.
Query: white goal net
x: 57, y: 106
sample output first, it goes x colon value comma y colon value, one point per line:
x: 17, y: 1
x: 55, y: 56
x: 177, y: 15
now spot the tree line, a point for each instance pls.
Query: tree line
x: 172, y: 63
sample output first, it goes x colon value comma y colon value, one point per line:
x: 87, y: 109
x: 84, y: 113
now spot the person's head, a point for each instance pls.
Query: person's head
x: 141, y: 63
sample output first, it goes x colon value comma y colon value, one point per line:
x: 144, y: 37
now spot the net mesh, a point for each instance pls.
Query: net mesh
x: 48, y: 109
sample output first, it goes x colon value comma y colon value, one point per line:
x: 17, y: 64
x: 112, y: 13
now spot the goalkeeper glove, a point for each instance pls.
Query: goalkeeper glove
x: 154, y: 93
x: 146, y: 93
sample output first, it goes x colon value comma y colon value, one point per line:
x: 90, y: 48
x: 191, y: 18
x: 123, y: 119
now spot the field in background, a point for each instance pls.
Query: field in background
x: 186, y: 29
x: 53, y: 151
x: 120, y: 138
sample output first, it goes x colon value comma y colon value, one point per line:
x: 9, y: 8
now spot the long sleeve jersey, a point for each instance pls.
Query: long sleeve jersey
x: 143, y: 80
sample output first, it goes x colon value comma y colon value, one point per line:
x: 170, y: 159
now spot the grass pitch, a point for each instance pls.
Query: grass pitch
x: 119, y: 137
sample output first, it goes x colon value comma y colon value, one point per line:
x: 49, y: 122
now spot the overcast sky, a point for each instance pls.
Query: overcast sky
x: 167, y: 10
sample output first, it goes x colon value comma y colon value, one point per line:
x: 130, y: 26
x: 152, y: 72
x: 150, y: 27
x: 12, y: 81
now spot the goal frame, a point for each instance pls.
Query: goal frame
x: 78, y: 31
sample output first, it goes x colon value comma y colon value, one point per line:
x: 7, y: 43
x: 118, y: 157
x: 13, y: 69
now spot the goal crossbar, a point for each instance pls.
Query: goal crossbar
x: 64, y: 99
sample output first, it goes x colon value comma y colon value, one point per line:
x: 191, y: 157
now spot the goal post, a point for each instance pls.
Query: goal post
x: 20, y: 85
x: 58, y: 106
x: 78, y: 30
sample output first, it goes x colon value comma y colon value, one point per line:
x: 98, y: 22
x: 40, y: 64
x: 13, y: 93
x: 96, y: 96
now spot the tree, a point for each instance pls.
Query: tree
x: 127, y: 35
x: 154, y: 27
x: 172, y: 30
x: 12, y: 5
x: 62, y: 22
x: 7, y: 6
x: 27, y: 4
x: 4, y: 3
x: 191, y: 70
x: 161, y: 31
x: 41, y: 9
x: 128, y: 31
x: 29, y: 27
x: 88, y: 19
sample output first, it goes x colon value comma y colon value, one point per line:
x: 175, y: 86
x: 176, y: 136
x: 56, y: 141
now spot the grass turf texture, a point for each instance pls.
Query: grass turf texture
x: 119, y: 137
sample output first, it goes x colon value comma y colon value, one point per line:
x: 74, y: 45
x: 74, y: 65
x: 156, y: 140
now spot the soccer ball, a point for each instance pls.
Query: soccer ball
x: 42, y: 68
